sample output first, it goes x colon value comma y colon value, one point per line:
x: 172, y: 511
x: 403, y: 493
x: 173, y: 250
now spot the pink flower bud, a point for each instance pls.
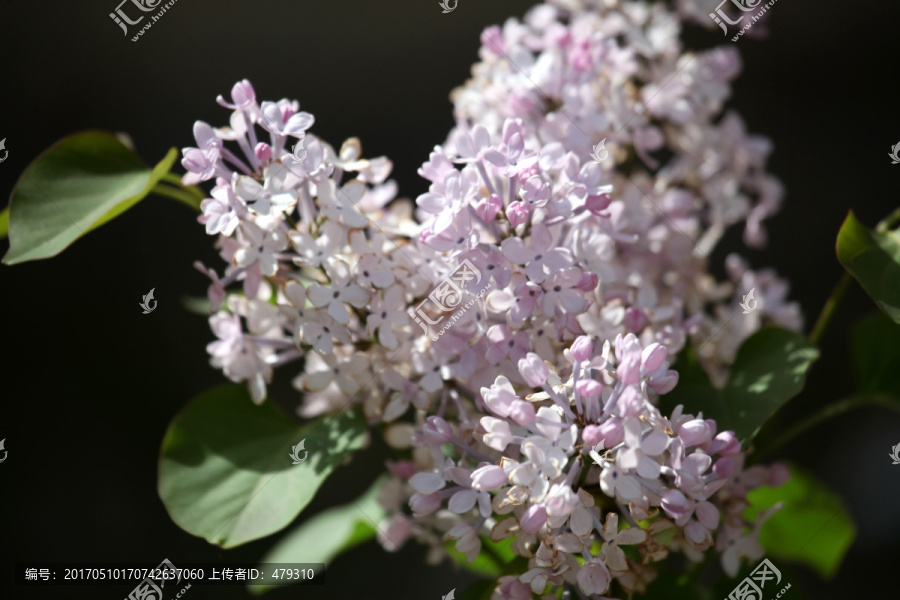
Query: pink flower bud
x: 589, y: 388
x: 676, y: 504
x: 588, y: 282
x: 488, y: 478
x: 517, y: 213
x: 724, y: 467
x: 533, y: 519
x: 726, y: 444
x: 583, y: 348
x: 629, y: 370
x: 635, y: 319
x: 652, y: 357
x: 597, y: 204
x: 403, y: 469
x: 694, y: 433
x: 591, y: 435
x: 534, y: 370
x: 437, y: 431
x: 488, y: 208
x: 522, y: 412
x: 666, y: 383
x: 612, y: 433
x: 263, y: 152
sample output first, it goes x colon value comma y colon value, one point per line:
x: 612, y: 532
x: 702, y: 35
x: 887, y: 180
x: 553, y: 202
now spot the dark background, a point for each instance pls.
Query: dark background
x: 89, y: 383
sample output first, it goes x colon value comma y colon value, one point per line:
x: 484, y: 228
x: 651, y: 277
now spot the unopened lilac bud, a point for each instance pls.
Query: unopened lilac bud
x: 517, y: 213
x: 533, y: 519
x: 652, y: 357
x: 522, y: 412
x: 724, y: 467
x: 676, y: 504
x: 597, y: 204
x: 488, y: 478
x: 403, y: 469
x: 488, y: 208
x: 726, y: 444
x: 612, y: 433
x: 629, y: 370
x: 665, y: 384
x: 589, y: 388
x: 582, y: 348
x: 424, y: 504
x: 694, y: 433
x: 263, y: 152
x: 635, y: 320
x: 437, y: 431
x: 591, y: 435
x: 588, y: 282
x: 534, y: 370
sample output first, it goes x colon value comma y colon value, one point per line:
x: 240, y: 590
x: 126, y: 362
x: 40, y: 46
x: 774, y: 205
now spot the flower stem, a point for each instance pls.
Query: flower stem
x: 831, y: 304
x: 177, y: 194
x: 832, y: 410
x: 191, y: 189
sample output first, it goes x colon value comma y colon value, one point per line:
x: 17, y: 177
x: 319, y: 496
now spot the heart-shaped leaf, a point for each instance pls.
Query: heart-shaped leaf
x: 226, y: 472
x: 813, y: 527
x: 76, y: 185
x: 873, y: 258
x: 876, y: 354
x: 329, y: 533
x: 770, y: 369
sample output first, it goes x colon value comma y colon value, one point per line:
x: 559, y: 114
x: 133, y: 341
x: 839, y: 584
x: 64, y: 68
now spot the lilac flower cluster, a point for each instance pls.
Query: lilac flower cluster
x: 532, y: 414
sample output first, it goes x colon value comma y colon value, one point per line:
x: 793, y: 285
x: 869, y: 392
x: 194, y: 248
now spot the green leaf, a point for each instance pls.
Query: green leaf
x: 4, y: 223
x: 225, y: 470
x: 329, y: 533
x: 770, y: 369
x: 671, y: 585
x: 492, y: 560
x: 78, y: 184
x: 873, y: 258
x: 813, y: 527
x: 876, y: 353
x: 480, y: 590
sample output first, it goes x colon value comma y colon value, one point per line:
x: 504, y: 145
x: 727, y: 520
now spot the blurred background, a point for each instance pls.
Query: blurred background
x: 89, y: 383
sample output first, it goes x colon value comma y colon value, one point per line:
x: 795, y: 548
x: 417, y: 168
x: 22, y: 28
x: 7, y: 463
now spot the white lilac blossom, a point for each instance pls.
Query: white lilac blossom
x: 532, y: 414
